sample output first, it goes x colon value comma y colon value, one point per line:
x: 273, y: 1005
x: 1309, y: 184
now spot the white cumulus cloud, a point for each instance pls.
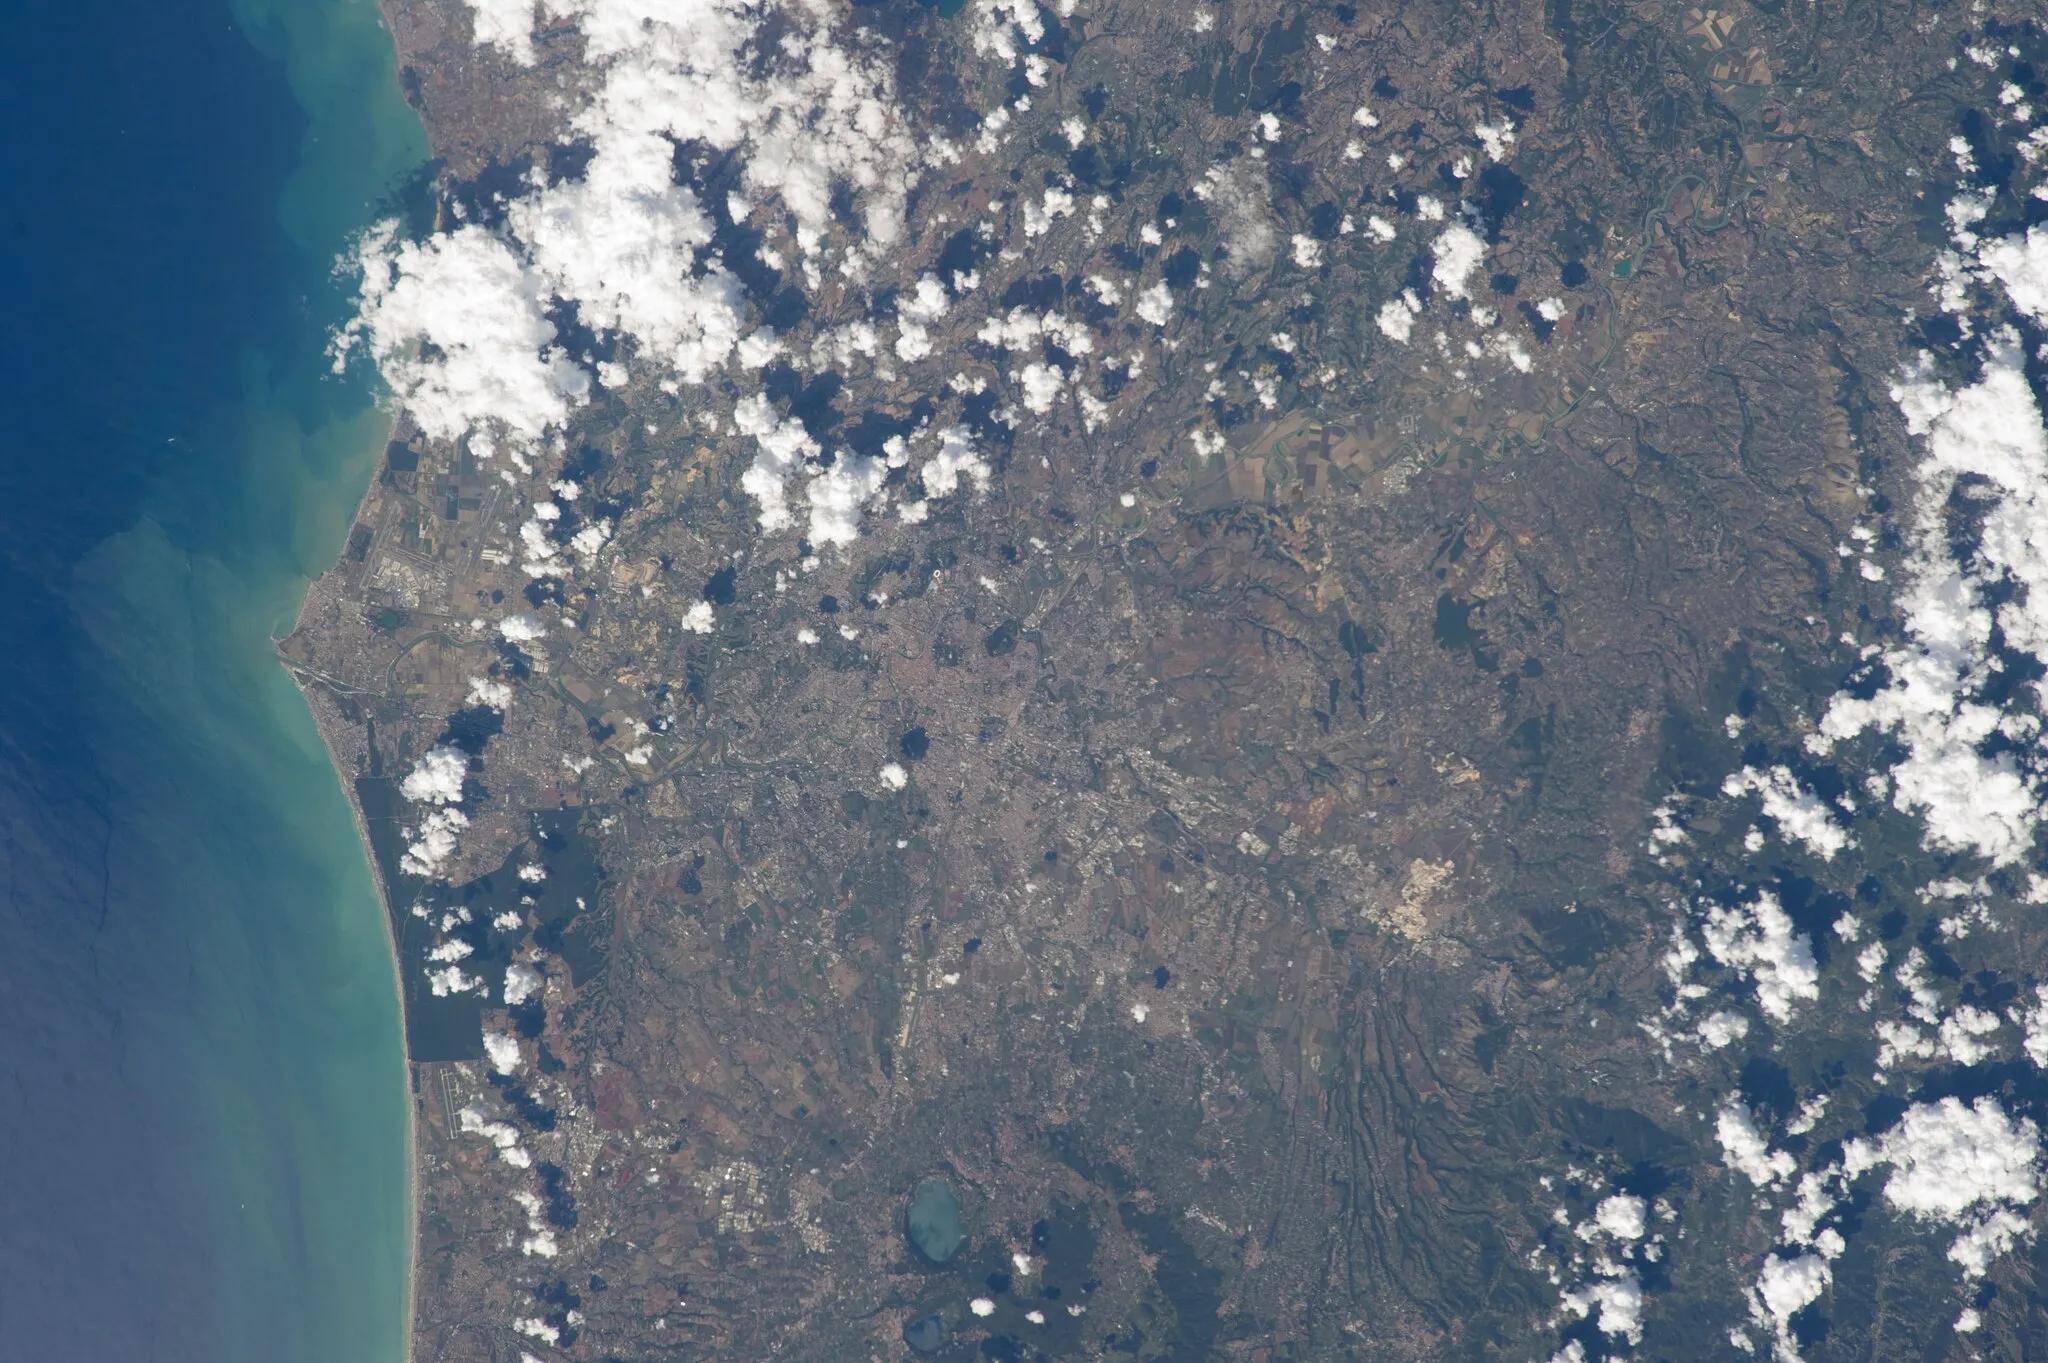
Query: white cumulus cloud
x: 1622, y: 1216
x: 1803, y: 816
x: 1957, y: 1165
x: 502, y: 1051
x: 1757, y: 940
x: 437, y: 777
x: 1617, y: 1300
x: 522, y: 982
x: 506, y: 25
x: 1783, y: 1288
x: 1747, y: 1148
x: 521, y: 628
x: 1971, y: 794
x: 1458, y: 252
x: 457, y: 325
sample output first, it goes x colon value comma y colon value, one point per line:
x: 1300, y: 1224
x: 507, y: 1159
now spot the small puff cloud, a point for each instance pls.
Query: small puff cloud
x: 1155, y: 304
x: 484, y: 691
x: 506, y: 25
x: 1396, y: 318
x: 1618, y: 1302
x: 1802, y: 815
x: 437, y: 777
x: 1747, y: 1149
x: 522, y: 982
x: 521, y: 628
x: 502, y: 1051
x: 430, y: 844
x: 1783, y: 1289
x: 1458, y: 251
x: 457, y: 325
x: 475, y: 1121
x: 1972, y: 792
x: 1623, y: 1216
x: 1961, y: 1166
x: 1238, y: 194
x: 1758, y: 940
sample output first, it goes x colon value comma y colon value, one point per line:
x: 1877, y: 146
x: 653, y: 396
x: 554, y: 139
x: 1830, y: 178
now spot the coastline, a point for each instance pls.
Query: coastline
x: 342, y: 62
x: 207, y: 1165
x: 334, y: 734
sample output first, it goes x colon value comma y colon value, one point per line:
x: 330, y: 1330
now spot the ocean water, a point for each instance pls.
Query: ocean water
x: 202, y: 1088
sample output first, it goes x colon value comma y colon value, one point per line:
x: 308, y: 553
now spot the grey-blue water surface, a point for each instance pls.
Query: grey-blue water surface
x: 202, y: 1094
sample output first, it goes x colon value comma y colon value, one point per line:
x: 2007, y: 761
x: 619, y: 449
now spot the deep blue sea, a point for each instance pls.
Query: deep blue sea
x: 202, y: 1092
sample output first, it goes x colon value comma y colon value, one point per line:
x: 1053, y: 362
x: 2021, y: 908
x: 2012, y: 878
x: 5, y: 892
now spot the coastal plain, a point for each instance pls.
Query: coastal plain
x: 1292, y: 574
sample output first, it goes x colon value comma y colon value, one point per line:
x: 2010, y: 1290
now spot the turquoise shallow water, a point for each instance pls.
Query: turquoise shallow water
x: 202, y: 1088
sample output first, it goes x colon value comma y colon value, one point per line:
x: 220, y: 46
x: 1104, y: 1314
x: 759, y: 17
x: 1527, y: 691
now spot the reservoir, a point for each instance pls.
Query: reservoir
x: 933, y: 1221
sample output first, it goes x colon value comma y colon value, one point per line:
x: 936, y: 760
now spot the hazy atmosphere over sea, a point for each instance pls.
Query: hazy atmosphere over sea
x: 203, y: 1111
